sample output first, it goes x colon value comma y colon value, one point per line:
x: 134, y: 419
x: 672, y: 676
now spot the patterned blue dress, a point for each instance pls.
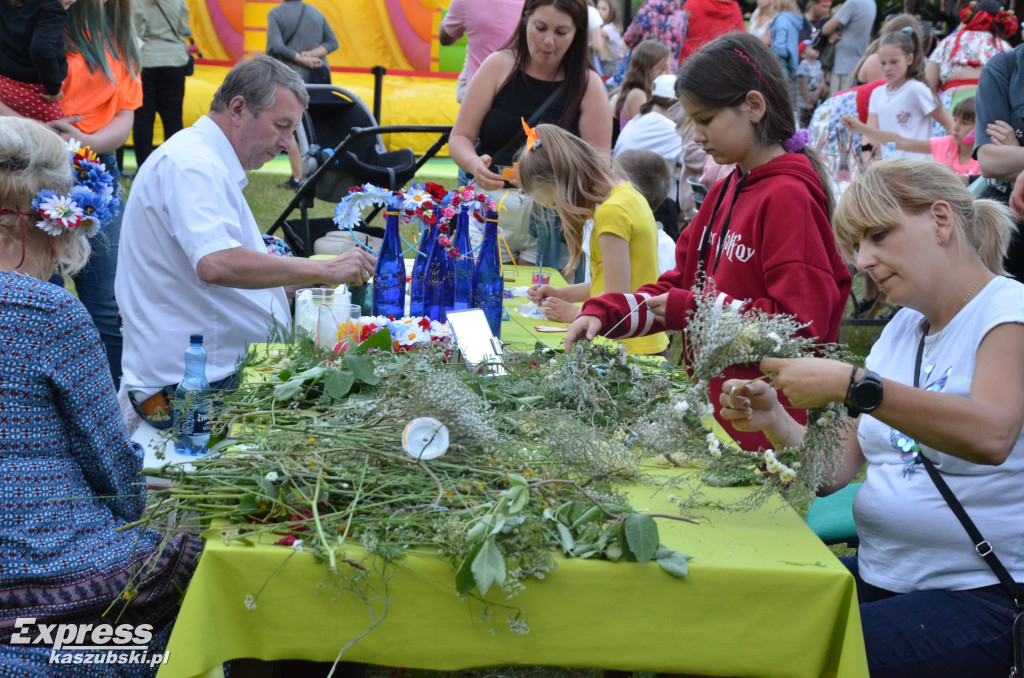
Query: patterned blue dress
x: 69, y: 477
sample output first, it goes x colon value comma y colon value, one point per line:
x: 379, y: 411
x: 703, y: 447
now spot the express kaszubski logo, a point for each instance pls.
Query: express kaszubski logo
x: 89, y: 643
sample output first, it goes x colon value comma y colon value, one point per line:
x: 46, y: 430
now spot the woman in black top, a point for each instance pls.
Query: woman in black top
x: 547, y: 51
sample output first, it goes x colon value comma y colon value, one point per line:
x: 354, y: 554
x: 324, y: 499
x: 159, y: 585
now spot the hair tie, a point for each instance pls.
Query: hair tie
x: 907, y: 29
x: 796, y: 143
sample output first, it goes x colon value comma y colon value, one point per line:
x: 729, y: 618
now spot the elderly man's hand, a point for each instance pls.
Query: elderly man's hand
x: 354, y: 267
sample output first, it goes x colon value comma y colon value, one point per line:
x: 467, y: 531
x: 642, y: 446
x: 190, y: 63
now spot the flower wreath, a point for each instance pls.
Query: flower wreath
x: 432, y: 203
x: 466, y: 196
x: 352, y: 207
x: 982, y: 21
x: 91, y: 203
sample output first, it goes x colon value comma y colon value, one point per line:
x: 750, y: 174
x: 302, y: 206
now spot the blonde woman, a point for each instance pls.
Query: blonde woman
x: 67, y: 555
x: 944, y: 381
x: 761, y: 20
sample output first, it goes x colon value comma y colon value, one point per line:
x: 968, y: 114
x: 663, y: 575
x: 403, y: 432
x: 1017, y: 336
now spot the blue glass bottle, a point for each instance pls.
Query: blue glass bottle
x: 438, y: 283
x: 488, y: 285
x: 192, y: 402
x: 464, y: 263
x: 389, y: 276
x: 419, y: 270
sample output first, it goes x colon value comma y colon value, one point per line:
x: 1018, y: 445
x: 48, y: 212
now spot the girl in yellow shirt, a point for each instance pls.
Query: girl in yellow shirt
x: 561, y: 171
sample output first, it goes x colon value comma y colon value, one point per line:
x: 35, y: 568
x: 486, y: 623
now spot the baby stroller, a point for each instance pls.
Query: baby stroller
x: 341, y: 146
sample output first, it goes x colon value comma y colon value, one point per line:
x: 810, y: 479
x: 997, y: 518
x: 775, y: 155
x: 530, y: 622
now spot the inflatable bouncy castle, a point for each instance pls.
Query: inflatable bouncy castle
x: 400, y: 35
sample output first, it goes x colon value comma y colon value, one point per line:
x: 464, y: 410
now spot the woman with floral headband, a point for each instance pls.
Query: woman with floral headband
x: 65, y: 451
x: 762, y: 234
x: 955, y: 64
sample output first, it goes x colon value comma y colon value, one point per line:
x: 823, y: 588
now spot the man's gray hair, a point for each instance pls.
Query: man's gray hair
x: 256, y: 80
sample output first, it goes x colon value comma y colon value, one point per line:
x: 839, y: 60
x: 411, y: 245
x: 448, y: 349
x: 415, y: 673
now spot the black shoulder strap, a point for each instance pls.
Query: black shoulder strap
x: 534, y: 117
x: 298, y: 23
x: 981, y: 545
x: 167, y: 20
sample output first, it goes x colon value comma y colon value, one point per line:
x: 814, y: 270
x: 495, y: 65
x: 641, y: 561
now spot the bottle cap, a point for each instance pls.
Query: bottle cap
x: 425, y: 438
x: 195, y: 339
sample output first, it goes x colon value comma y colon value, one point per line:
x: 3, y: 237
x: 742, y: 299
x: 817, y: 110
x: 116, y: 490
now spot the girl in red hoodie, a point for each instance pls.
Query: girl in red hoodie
x: 762, y: 233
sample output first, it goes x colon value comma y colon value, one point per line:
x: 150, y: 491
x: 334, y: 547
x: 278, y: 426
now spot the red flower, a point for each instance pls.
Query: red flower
x: 287, y: 540
x: 445, y: 242
x: 453, y: 252
x: 456, y: 200
x: 444, y: 228
x: 430, y: 218
x: 424, y: 324
x: 436, y: 191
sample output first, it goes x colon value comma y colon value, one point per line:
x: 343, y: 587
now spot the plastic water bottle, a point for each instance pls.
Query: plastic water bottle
x: 192, y: 402
x: 890, y: 150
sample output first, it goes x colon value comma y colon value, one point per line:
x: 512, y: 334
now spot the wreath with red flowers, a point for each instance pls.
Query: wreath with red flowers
x: 982, y: 21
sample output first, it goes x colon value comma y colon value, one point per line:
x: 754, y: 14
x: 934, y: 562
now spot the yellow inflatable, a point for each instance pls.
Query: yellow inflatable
x: 401, y: 35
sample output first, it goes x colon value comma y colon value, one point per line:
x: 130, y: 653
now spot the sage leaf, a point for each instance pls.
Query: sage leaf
x: 566, y: 537
x: 464, y: 581
x: 488, y: 567
x: 674, y: 563
x: 641, y: 536
x: 287, y: 390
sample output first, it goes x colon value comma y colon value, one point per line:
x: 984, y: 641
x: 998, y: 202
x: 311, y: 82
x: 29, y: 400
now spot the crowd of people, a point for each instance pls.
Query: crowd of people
x: 594, y: 133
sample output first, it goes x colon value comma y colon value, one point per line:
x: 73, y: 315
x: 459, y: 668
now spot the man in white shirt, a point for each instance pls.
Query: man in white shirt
x: 193, y: 259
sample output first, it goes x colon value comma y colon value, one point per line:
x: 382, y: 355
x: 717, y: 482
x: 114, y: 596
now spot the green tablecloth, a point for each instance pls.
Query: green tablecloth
x: 520, y: 332
x: 764, y: 598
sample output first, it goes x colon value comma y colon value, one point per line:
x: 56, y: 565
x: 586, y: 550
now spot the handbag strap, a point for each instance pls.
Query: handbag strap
x: 298, y: 23
x: 981, y: 545
x: 534, y: 117
x: 169, y: 24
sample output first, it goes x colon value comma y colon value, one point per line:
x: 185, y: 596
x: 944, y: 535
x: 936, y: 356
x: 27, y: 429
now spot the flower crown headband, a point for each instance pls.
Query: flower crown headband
x: 91, y: 203
x: 87, y: 208
x: 982, y: 21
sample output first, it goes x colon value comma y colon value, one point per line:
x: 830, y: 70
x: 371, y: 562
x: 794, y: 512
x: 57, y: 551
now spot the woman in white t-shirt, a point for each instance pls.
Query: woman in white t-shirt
x: 906, y: 105
x: 951, y: 388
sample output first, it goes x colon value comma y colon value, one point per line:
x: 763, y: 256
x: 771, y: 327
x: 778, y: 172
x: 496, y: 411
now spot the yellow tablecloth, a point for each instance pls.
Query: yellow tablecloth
x: 764, y: 598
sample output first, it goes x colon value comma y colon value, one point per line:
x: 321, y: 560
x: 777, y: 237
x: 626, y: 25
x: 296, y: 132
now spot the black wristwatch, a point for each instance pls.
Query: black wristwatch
x: 864, y: 395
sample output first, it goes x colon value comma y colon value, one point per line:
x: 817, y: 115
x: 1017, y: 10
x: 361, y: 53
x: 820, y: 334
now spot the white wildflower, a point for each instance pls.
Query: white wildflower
x: 776, y: 339
x: 271, y: 477
x: 682, y: 406
x: 250, y: 602
x: 297, y: 546
x: 787, y: 475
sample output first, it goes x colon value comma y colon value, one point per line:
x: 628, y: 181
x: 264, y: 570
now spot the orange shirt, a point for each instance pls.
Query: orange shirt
x: 94, y: 96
